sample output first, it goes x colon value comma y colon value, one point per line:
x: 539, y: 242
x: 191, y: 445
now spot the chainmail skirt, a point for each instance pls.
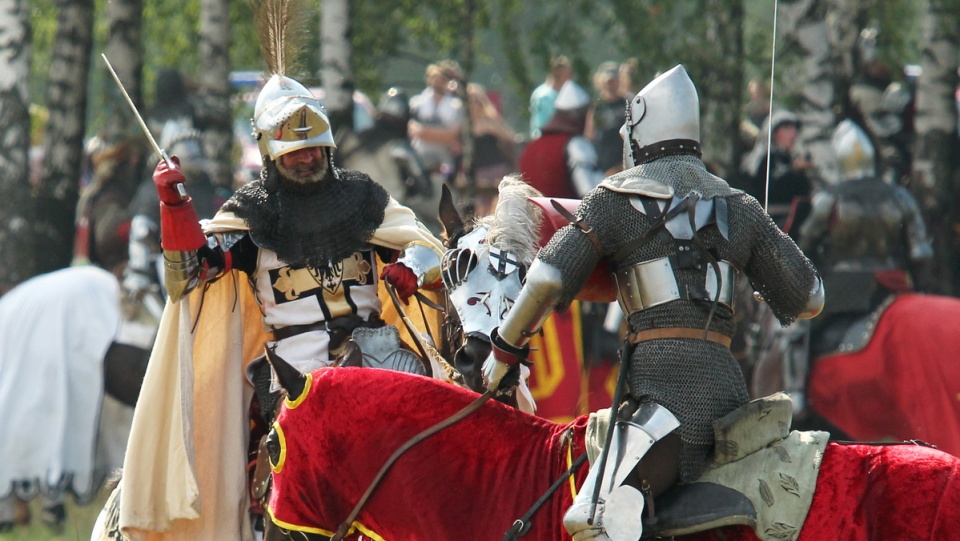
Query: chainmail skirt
x: 697, y: 381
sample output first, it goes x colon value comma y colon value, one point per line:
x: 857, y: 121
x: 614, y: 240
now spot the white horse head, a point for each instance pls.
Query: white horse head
x: 484, y: 268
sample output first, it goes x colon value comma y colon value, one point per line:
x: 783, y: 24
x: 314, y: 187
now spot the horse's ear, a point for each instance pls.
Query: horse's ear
x: 291, y: 379
x: 453, y: 225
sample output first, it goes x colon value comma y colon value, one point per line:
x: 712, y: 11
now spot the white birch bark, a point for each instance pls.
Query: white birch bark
x: 14, y: 142
x: 335, y: 53
x: 215, y: 88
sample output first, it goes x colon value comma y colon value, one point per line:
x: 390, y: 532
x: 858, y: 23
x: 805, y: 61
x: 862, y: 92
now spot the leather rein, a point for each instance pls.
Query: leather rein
x: 449, y: 421
x: 460, y: 415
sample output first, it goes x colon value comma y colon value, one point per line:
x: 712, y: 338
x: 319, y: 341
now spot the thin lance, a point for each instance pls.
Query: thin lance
x: 143, y: 125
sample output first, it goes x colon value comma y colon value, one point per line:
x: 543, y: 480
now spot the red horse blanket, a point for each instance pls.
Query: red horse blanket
x: 877, y: 493
x: 905, y: 384
x: 469, y: 481
x: 472, y: 480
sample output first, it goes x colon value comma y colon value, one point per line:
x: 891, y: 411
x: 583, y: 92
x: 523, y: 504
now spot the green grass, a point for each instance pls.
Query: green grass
x: 78, y: 526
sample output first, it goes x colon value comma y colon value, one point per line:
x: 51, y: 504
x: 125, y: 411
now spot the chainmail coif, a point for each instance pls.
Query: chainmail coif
x: 314, y: 225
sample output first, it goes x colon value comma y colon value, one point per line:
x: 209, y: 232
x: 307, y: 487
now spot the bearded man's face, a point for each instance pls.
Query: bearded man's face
x: 304, y: 165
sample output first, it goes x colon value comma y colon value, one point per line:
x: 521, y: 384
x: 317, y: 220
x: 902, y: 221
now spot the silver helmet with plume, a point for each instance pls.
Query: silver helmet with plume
x: 286, y: 115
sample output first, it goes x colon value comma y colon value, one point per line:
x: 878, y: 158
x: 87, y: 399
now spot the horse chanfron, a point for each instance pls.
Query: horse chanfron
x: 483, y: 272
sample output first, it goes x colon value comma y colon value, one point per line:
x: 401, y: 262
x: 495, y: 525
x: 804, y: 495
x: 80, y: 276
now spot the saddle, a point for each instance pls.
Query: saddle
x: 761, y: 475
x: 381, y: 348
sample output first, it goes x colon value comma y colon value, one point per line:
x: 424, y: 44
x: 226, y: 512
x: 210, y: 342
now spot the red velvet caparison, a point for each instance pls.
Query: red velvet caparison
x: 469, y: 481
x: 472, y: 480
x: 905, y: 384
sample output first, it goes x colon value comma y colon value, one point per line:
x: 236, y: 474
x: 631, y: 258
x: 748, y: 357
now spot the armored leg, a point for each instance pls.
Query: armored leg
x: 619, y: 510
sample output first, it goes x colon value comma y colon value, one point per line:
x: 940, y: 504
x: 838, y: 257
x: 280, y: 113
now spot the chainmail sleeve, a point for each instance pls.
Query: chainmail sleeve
x: 776, y: 267
x: 572, y: 252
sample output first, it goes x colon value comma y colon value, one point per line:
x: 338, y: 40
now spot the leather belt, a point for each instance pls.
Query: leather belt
x: 679, y: 332
x: 293, y: 330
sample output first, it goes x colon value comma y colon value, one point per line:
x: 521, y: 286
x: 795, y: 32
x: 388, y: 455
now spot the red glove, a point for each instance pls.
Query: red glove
x: 179, y: 225
x: 402, y: 278
x: 165, y: 178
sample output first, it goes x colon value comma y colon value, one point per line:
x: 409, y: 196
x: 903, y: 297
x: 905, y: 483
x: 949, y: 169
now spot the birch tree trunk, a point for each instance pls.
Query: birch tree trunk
x: 16, y: 263
x: 935, y: 163
x: 336, y: 72
x: 721, y: 87
x: 843, y: 28
x: 805, y: 33
x: 56, y: 196
x: 215, y: 89
x: 125, y: 51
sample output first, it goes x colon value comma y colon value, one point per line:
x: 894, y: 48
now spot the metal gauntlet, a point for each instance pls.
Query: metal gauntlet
x: 423, y: 260
x: 536, y: 302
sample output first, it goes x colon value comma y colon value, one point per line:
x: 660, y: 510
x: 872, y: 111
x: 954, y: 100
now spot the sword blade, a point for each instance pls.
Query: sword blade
x: 143, y: 125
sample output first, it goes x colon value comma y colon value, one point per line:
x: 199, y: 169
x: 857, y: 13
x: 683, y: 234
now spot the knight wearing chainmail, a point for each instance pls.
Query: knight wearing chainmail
x: 675, y: 239
x: 305, y: 233
x: 289, y: 263
x: 866, y: 236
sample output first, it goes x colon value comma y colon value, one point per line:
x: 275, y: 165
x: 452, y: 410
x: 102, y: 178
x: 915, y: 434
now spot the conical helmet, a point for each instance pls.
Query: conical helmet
x: 571, y: 97
x: 287, y: 117
x: 666, y: 109
x: 856, y: 157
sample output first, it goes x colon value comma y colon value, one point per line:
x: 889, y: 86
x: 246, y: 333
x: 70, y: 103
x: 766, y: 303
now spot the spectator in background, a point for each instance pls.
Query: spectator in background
x: 562, y: 162
x: 755, y: 111
x: 605, y: 118
x: 628, y: 76
x: 790, y: 170
x: 874, y: 75
x: 542, y: 98
x: 493, y: 148
x: 434, y: 127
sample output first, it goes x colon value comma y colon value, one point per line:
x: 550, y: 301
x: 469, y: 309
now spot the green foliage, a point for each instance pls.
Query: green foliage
x: 899, y: 23
x: 659, y: 33
x: 78, y: 525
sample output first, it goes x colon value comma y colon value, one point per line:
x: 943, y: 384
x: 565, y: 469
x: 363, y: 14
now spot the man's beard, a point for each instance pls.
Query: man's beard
x: 305, y: 175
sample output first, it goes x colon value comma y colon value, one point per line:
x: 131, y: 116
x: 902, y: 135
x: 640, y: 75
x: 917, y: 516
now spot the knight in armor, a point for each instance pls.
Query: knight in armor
x: 307, y: 239
x: 144, y: 272
x: 385, y: 152
x: 675, y: 238
x: 866, y: 236
x: 307, y: 234
x: 562, y: 162
x: 102, y: 219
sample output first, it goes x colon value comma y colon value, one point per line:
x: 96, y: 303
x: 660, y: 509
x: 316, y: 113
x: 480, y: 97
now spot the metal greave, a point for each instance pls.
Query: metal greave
x: 619, y: 511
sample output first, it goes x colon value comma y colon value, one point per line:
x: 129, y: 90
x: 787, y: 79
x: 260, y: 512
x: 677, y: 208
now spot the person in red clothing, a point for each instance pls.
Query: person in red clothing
x: 562, y: 162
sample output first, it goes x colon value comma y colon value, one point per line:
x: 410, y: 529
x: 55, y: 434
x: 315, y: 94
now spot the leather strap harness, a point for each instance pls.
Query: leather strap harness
x: 679, y: 332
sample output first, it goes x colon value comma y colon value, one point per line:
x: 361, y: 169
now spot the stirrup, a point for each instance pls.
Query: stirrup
x: 618, y: 518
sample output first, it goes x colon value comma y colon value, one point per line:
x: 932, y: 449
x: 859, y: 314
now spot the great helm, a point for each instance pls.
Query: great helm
x: 667, y: 109
x: 856, y: 157
x: 287, y: 117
